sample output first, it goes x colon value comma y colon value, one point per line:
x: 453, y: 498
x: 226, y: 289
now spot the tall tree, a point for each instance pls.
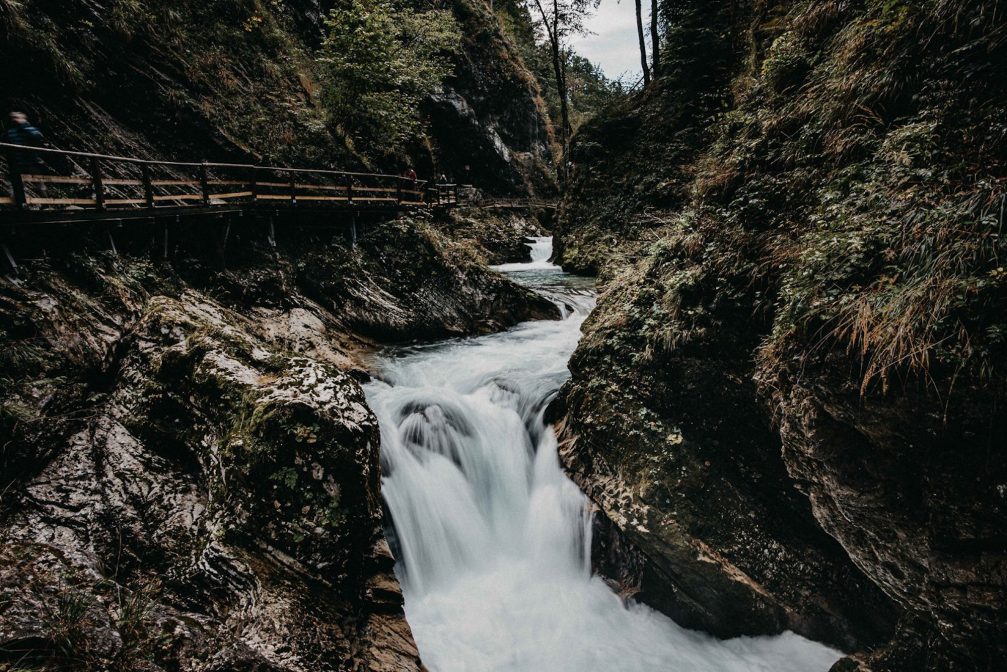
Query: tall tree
x: 655, y: 39
x: 643, y: 43
x: 561, y: 19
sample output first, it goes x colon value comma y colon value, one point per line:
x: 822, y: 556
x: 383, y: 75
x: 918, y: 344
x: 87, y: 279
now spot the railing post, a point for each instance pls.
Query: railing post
x: 254, y: 185
x: 293, y: 189
x: 398, y: 190
x: 148, y: 187
x: 16, y: 181
x: 8, y: 258
x: 166, y: 252
x: 349, y: 189
x: 204, y: 182
x: 97, y: 184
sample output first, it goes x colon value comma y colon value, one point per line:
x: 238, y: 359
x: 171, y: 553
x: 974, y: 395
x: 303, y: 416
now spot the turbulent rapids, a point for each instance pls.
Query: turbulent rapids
x: 493, y: 539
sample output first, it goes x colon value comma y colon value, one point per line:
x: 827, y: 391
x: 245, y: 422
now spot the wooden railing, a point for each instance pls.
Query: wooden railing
x: 54, y: 179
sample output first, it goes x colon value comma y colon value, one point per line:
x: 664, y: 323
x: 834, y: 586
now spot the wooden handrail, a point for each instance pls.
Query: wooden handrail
x: 199, y: 164
x: 178, y: 185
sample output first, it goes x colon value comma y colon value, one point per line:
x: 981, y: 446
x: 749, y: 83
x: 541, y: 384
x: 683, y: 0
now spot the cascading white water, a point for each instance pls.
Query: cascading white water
x: 541, y: 253
x: 494, y: 539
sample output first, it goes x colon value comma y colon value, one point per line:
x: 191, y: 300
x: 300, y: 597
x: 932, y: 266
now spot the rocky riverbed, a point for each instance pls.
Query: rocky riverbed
x: 190, y: 469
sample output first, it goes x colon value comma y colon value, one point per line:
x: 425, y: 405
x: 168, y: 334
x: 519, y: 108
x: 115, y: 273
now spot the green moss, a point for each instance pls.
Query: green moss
x: 786, y: 64
x: 844, y: 194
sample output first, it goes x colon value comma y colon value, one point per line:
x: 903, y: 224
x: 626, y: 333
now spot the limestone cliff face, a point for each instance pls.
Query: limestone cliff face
x: 238, y: 81
x: 787, y: 402
x: 490, y: 126
x: 190, y: 471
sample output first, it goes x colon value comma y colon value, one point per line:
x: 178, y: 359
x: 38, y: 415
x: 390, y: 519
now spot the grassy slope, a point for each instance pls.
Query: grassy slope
x: 219, y: 80
x: 238, y: 80
x: 822, y: 224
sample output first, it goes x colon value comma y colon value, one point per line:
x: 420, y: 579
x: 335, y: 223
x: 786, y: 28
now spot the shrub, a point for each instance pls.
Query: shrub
x: 381, y: 60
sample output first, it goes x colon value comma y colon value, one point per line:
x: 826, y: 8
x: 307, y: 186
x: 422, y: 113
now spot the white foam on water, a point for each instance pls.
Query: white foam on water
x: 541, y: 253
x: 494, y: 539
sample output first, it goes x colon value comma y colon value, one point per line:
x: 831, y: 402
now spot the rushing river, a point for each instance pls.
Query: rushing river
x: 494, y: 539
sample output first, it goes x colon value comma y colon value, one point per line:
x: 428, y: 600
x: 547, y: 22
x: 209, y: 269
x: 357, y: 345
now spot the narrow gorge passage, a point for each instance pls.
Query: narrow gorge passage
x: 493, y: 539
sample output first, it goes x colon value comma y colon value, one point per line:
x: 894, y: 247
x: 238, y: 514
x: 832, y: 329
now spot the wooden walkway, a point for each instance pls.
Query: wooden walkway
x: 65, y: 187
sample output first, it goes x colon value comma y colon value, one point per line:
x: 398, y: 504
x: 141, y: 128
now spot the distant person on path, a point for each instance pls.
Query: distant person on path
x: 410, y: 175
x: 23, y: 133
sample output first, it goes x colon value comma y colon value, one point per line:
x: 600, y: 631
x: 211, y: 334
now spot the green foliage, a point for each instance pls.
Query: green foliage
x: 590, y: 90
x: 785, y: 64
x: 381, y: 59
x: 857, y: 197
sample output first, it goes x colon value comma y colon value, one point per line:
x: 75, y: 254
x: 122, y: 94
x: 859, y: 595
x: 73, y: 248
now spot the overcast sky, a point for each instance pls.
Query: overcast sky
x: 613, y: 44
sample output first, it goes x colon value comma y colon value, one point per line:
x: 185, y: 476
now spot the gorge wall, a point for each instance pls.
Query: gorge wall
x: 190, y: 470
x: 789, y: 402
x: 240, y: 81
x: 189, y: 473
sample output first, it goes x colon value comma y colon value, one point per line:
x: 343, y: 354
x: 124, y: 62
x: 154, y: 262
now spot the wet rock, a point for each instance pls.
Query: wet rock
x: 499, y: 234
x: 490, y: 124
x: 191, y: 476
x: 791, y: 363
x: 245, y: 480
x: 898, y: 487
x: 675, y: 450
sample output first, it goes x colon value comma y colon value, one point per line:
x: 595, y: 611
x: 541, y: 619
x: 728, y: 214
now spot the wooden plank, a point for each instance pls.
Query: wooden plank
x: 175, y: 183
x: 56, y: 179
x: 6, y: 200
x: 126, y: 201
x: 285, y: 185
x: 228, y: 183
x: 320, y: 187
x: 387, y: 190
x: 123, y: 183
x: 60, y: 201
x: 236, y: 194
x: 179, y: 197
x: 322, y: 198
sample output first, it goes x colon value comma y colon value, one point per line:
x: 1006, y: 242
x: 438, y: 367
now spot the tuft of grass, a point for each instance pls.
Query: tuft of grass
x: 136, y: 606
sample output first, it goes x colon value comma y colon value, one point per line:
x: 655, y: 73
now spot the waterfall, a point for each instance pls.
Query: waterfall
x: 541, y: 253
x: 541, y: 248
x: 494, y: 540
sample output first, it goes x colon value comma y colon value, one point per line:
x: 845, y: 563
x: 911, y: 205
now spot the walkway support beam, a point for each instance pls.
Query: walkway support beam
x: 97, y: 183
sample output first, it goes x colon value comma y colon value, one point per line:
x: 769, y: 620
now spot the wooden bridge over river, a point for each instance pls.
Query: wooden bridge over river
x: 57, y: 186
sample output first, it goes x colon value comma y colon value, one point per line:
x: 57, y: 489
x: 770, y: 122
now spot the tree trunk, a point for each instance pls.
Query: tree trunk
x: 553, y: 28
x: 564, y: 95
x: 564, y: 107
x: 643, y: 43
x: 655, y: 38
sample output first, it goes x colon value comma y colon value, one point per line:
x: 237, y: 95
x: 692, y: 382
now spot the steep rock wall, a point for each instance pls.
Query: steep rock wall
x: 191, y: 474
x: 238, y: 81
x: 802, y: 294
x: 490, y: 125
